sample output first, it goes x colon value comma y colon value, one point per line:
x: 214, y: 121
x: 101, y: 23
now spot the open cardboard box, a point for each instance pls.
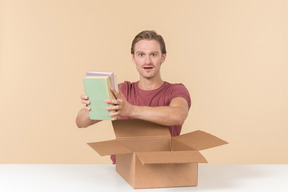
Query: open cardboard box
x: 148, y: 157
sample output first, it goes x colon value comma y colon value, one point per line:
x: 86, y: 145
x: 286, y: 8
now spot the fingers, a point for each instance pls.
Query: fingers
x: 116, y: 103
x: 113, y: 108
x: 84, y: 97
x: 115, y: 114
x: 113, y: 101
x: 85, y: 101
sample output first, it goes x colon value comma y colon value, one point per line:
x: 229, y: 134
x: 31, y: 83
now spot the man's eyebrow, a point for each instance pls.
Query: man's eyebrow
x: 145, y: 52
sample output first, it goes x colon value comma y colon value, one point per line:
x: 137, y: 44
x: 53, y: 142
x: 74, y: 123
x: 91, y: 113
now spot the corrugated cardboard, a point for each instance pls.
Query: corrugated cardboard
x: 148, y: 157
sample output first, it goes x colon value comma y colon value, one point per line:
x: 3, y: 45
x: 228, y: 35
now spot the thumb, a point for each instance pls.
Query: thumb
x: 115, y: 93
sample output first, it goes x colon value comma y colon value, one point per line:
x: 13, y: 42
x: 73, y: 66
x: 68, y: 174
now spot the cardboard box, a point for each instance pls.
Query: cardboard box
x: 148, y: 157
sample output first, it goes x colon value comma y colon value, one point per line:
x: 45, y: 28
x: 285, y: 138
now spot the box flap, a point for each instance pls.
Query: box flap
x: 167, y: 157
x: 141, y: 144
x: 199, y: 140
x: 111, y: 147
x: 138, y: 128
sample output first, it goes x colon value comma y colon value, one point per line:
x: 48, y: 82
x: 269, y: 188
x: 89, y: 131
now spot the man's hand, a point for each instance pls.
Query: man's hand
x: 83, y: 118
x: 121, y: 106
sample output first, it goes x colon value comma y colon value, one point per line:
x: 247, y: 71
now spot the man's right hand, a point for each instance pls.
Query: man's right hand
x: 83, y: 119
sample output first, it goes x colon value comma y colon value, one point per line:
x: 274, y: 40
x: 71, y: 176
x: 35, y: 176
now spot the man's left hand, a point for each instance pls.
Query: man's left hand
x: 120, y: 105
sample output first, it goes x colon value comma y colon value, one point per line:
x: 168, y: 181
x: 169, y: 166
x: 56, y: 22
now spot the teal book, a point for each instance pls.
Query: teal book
x: 97, y: 88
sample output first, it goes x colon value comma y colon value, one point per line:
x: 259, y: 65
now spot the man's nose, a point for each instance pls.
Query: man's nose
x: 147, y: 59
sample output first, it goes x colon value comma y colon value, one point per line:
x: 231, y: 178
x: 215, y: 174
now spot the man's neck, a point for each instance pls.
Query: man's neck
x: 150, y: 84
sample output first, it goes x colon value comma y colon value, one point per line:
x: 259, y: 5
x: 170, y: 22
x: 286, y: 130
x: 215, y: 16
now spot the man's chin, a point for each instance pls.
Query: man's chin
x: 150, y: 76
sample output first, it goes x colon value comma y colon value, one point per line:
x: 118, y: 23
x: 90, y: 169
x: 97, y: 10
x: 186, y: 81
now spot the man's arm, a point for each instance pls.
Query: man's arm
x: 174, y: 114
x: 83, y: 119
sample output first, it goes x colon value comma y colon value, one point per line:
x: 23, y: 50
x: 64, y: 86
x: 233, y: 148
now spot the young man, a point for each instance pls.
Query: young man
x: 150, y: 98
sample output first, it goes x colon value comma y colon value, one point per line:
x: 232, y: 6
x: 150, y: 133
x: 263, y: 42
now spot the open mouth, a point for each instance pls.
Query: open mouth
x: 148, y: 68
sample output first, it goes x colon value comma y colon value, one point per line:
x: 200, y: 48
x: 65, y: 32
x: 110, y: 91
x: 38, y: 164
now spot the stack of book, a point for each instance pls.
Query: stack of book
x: 97, y: 87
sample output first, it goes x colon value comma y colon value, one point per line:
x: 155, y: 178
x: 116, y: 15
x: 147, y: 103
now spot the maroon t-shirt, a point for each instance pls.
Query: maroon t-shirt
x: 157, y: 97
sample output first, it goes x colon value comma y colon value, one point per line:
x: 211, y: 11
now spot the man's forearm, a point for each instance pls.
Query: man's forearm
x: 83, y: 119
x: 166, y: 115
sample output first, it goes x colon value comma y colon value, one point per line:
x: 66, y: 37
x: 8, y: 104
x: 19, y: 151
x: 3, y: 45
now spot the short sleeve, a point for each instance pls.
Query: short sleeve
x: 179, y: 90
x: 124, y: 87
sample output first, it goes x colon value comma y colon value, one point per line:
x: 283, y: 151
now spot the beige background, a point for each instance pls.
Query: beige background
x: 231, y: 55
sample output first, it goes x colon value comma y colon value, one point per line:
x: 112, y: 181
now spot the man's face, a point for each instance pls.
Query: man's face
x: 148, y: 58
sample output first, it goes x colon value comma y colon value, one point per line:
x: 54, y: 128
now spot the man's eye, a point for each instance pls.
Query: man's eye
x: 141, y: 54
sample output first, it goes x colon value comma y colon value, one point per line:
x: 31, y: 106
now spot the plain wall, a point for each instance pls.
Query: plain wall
x: 231, y: 55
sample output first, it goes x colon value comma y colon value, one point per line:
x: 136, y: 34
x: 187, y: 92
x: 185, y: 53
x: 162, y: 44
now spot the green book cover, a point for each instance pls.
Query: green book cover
x: 97, y: 88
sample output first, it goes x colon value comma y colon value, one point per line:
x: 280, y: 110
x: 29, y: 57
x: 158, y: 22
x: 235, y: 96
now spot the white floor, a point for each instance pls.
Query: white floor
x: 86, y: 178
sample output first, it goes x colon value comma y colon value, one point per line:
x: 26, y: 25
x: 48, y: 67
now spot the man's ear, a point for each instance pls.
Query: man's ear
x: 163, y: 58
x: 133, y: 58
